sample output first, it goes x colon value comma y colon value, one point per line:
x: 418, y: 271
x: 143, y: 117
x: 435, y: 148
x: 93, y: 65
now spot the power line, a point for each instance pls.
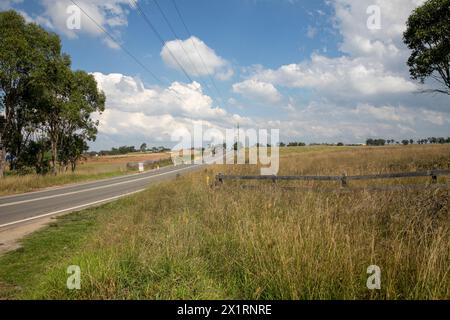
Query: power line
x: 158, y: 35
x: 128, y: 52
x: 175, y: 35
x: 118, y: 43
x: 195, y: 47
x: 172, y: 29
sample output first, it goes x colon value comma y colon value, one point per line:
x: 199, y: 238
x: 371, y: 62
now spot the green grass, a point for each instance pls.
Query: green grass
x: 186, y: 240
x: 23, y: 268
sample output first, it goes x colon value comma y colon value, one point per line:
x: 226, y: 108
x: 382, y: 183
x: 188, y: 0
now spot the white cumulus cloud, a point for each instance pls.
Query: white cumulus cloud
x: 338, y: 76
x: 384, y: 44
x: 129, y: 94
x: 135, y: 111
x: 257, y: 90
x: 196, y: 58
x: 111, y: 15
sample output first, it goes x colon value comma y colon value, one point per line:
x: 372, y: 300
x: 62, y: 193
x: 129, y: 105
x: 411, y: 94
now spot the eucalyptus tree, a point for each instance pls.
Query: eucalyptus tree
x: 428, y: 36
x: 77, y: 124
x: 46, y: 106
x: 24, y: 49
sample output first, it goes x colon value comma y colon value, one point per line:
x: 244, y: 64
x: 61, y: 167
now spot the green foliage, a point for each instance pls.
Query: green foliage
x: 36, y: 155
x: 376, y: 142
x: 296, y: 144
x: 23, y: 48
x: 118, y: 151
x: 72, y: 149
x: 47, y: 106
x: 428, y: 36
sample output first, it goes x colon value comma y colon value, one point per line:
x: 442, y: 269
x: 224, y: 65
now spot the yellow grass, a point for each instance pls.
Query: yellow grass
x: 87, y: 170
x: 184, y: 239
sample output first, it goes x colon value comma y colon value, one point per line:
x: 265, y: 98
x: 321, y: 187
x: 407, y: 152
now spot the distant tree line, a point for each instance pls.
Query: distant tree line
x: 303, y: 144
x: 375, y: 142
x: 372, y: 142
x: 431, y: 140
x: 296, y: 144
x: 118, y: 151
x: 128, y: 149
x: 45, y: 108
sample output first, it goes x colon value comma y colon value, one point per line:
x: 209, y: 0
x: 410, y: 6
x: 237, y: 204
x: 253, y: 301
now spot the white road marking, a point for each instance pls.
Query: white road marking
x: 92, y: 189
x: 86, y: 205
x: 70, y: 209
x: 79, y: 184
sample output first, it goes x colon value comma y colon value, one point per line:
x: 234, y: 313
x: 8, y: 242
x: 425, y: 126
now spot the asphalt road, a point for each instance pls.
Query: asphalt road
x: 22, y: 208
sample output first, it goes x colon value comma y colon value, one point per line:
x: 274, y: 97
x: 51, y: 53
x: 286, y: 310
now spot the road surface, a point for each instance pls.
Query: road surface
x: 23, y: 208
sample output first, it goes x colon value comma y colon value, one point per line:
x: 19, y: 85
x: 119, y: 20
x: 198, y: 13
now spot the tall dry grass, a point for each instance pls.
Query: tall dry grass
x: 12, y: 184
x: 184, y: 239
x: 96, y: 169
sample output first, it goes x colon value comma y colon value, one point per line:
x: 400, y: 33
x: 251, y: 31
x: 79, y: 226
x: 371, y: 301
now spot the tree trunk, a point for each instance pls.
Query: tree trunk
x: 2, y: 156
x: 54, y: 156
x: 5, y: 120
x: 2, y: 160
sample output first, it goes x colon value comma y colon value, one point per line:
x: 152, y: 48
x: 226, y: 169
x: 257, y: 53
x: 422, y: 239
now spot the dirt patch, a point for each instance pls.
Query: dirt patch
x: 10, y: 237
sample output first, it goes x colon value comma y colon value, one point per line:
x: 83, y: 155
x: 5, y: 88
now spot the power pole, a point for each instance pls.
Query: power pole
x: 238, y: 136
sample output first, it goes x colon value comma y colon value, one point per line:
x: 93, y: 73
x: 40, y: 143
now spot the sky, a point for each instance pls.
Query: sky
x: 319, y: 71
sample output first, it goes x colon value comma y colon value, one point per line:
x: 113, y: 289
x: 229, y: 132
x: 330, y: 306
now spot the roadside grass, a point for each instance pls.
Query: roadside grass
x: 22, y: 268
x: 186, y: 240
x: 32, y: 182
x: 88, y: 171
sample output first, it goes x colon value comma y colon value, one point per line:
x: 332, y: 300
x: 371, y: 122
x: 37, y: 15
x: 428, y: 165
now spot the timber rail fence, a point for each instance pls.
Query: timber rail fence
x: 344, y: 179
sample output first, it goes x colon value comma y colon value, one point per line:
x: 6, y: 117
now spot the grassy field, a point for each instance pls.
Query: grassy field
x: 88, y: 170
x: 185, y: 239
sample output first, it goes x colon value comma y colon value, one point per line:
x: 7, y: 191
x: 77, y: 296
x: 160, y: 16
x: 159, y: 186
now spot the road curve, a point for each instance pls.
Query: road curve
x: 22, y: 208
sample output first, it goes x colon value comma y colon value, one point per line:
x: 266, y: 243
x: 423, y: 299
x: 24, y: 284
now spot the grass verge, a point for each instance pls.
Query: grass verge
x: 32, y: 182
x: 23, y: 268
x: 14, y: 184
x: 186, y: 240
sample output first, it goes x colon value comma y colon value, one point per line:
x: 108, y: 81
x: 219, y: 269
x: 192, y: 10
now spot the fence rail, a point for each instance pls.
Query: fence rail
x: 220, y: 178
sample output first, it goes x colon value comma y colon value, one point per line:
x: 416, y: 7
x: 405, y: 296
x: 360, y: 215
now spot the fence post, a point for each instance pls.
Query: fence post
x: 433, y: 177
x: 344, y: 180
x: 219, y: 179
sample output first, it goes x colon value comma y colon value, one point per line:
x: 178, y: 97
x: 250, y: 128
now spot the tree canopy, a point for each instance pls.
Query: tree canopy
x: 47, y: 107
x: 428, y: 36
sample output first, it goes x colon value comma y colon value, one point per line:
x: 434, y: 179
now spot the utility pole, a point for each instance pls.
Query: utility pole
x: 238, y: 137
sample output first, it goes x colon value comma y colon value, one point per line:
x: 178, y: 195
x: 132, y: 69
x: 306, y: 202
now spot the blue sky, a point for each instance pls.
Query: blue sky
x: 312, y: 69
x: 239, y: 30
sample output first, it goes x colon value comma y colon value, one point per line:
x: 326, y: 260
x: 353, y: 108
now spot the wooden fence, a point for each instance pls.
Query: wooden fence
x: 344, y: 179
